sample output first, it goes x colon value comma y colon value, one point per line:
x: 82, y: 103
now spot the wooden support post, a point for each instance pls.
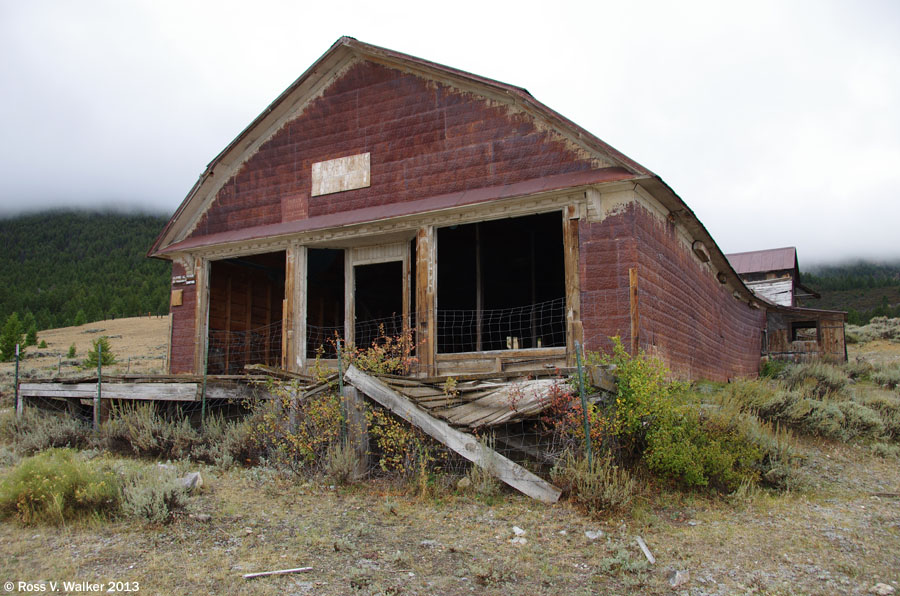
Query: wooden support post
x: 462, y: 443
x: 293, y: 323
x: 201, y: 314
x: 357, y: 431
x: 635, y: 312
x: 426, y: 299
x: 405, y: 321
x: 349, y: 300
x: 572, y: 263
x: 479, y: 290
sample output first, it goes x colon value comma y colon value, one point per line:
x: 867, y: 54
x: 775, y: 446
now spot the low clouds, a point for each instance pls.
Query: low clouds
x: 776, y: 122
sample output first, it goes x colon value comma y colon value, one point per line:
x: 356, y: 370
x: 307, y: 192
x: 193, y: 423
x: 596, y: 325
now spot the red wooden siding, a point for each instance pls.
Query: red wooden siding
x: 425, y: 139
x: 685, y: 315
x: 183, y: 330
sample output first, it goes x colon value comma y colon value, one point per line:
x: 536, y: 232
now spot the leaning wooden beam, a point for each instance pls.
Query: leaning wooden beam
x: 464, y: 444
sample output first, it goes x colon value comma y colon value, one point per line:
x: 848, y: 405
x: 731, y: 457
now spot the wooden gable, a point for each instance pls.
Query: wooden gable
x: 426, y: 131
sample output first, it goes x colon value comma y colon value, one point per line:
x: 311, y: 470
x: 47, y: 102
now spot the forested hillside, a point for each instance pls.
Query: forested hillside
x: 74, y: 267
x: 861, y: 288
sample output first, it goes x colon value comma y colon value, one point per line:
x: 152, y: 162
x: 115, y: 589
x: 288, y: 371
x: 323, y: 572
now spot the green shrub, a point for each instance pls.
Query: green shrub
x: 598, y: 486
x: 858, y: 369
x: 708, y: 448
x: 860, y: 420
x: 886, y: 450
x: 888, y: 377
x: 644, y: 392
x: 71, y: 352
x: 43, y: 345
x: 341, y: 463
x: 152, y: 494
x: 772, y: 368
x: 36, y: 431
x: 56, y: 486
x: 817, y: 378
x: 816, y: 417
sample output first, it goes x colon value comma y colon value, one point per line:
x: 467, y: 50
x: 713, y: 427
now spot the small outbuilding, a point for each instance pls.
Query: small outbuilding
x: 385, y: 194
x: 793, y: 332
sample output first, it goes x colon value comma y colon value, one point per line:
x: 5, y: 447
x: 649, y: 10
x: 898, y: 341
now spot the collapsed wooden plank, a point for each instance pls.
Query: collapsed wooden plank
x: 462, y: 443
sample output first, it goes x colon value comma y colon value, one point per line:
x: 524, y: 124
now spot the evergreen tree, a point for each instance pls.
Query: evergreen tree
x: 31, y: 336
x: 80, y: 318
x: 10, y: 337
x: 99, y: 346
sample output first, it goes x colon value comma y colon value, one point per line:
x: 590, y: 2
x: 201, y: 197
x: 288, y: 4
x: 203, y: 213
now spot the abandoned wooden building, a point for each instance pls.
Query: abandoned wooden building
x: 793, y: 331
x: 381, y: 192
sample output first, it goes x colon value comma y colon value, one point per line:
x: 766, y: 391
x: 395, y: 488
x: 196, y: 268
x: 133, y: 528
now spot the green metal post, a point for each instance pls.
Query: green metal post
x: 99, y: 386
x: 584, y: 406
x: 18, y: 405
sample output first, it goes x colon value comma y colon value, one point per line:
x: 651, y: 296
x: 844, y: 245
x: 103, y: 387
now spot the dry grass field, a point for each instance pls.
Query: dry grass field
x: 836, y: 532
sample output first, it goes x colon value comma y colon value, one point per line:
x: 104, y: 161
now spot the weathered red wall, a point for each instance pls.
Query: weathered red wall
x: 685, y: 315
x: 183, y: 332
x: 425, y: 139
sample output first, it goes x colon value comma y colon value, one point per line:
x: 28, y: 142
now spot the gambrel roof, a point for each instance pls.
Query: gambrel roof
x: 586, y: 160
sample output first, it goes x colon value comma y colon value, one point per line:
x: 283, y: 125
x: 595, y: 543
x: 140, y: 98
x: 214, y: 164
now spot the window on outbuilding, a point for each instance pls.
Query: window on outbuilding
x: 804, y: 331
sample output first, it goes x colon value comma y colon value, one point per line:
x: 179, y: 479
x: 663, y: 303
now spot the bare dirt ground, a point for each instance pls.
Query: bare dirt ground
x: 838, y: 532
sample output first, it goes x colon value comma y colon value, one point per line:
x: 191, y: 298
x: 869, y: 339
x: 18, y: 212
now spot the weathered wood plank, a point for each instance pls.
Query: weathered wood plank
x: 139, y: 391
x: 572, y: 265
x: 462, y: 443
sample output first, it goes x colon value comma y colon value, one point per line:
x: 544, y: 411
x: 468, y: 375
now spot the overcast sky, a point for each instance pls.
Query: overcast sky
x: 777, y: 122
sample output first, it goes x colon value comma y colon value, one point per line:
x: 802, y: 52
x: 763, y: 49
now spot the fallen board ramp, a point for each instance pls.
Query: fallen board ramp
x: 462, y: 443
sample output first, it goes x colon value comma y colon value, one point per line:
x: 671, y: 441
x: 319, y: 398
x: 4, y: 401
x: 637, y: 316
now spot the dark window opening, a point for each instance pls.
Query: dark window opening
x: 245, y: 312
x: 324, y: 301
x: 378, y: 302
x: 804, y: 331
x: 501, y: 285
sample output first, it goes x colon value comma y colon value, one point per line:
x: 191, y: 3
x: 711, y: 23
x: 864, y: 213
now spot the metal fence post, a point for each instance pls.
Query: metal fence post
x: 19, y: 407
x: 584, y: 405
x: 99, y: 385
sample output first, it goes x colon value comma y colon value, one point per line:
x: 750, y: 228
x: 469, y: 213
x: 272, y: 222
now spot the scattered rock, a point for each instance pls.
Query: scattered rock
x: 463, y: 483
x: 592, y: 535
x: 679, y: 578
x: 882, y: 589
x: 563, y: 533
x: 429, y: 543
x: 192, y: 481
x: 518, y: 531
x: 693, y: 523
x: 201, y: 517
x: 518, y: 540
